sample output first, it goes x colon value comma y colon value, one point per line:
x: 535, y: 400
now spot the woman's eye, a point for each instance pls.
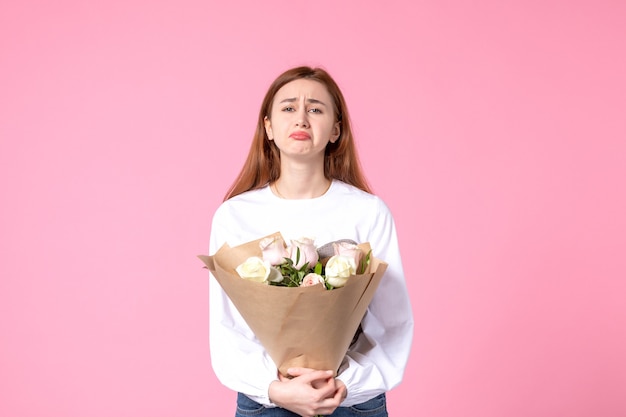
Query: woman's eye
x: 315, y: 110
x: 288, y: 109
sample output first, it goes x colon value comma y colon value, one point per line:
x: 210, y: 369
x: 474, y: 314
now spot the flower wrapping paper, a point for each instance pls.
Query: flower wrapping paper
x: 308, y: 327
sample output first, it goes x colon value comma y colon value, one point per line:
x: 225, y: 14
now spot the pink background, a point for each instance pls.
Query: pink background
x: 496, y: 133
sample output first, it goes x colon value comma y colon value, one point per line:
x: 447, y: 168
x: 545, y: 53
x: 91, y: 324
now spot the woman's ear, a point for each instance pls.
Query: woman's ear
x: 336, y: 132
x: 268, y: 128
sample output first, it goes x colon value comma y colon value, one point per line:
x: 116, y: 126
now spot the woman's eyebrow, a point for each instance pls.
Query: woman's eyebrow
x: 309, y: 100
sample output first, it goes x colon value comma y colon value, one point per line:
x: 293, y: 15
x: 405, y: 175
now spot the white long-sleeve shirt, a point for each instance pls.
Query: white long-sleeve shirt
x: 376, y: 362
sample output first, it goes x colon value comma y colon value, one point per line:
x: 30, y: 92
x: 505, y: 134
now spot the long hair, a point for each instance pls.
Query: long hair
x: 262, y: 165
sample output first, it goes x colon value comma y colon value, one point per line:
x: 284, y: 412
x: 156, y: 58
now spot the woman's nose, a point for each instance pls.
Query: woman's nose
x: 302, y: 119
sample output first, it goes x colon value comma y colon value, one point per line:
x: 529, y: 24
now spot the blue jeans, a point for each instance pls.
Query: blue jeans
x: 376, y: 407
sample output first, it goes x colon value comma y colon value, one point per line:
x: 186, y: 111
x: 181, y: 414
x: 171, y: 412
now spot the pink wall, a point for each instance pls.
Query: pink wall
x: 496, y: 133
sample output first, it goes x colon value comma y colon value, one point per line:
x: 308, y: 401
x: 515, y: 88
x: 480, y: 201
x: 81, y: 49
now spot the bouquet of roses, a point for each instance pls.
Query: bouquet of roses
x: 282, y: 294
x: 303, y: 264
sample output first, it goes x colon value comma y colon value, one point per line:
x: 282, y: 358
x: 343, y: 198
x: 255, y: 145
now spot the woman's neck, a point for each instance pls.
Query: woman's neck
x: 296, y: 183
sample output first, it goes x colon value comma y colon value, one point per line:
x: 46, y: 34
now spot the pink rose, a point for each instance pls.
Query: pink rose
x: 303, y: 250
x: 274, y: 250
x: 311, y: 279
x: 348, y: 250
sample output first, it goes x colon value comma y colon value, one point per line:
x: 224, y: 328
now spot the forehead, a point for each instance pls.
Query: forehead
x: 303, y: 88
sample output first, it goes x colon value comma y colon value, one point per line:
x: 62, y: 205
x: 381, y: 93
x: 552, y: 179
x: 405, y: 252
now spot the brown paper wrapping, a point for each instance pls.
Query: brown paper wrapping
x: 298, y: 326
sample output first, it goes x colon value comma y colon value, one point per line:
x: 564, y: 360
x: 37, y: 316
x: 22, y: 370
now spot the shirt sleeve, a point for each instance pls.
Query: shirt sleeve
x: 375, y: 363
x: 238, y: 359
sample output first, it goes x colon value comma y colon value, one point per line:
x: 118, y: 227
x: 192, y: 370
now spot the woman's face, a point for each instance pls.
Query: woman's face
x: 302, y: 120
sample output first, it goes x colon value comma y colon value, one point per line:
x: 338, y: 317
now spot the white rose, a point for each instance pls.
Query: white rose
x: 254, y: 269
x: 338, y: 269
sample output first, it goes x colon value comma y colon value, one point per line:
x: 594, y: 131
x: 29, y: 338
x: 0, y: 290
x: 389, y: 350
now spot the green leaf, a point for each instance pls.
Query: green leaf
x: 364, y: 263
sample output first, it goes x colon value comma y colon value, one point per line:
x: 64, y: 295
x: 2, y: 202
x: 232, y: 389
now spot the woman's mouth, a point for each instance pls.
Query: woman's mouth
x: 300, y: 135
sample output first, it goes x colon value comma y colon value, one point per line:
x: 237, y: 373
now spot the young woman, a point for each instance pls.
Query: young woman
x: 302, y: 177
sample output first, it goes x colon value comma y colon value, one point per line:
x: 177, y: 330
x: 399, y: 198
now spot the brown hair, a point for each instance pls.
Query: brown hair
x: 263, y: 163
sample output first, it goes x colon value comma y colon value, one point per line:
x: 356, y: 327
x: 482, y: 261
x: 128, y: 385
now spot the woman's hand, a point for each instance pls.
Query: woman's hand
x: 309, y: 392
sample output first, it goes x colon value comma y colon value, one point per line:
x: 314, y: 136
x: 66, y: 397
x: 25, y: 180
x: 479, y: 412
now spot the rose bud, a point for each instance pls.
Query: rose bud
x: 303, y: 251
x: 348, y: 249
x: 312, y: 279
x: 274, y: 250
